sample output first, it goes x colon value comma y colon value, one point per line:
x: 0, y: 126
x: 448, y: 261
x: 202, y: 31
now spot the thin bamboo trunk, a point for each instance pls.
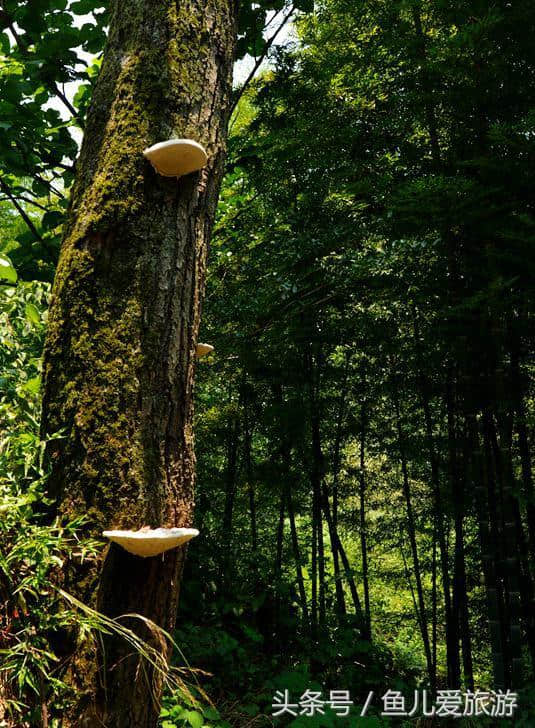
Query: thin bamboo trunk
x: 454, y: 665
x: 298, y: 566
x: 345, y: 561
x: 412, y: 534
x: 362, y: 519
x: 440, y: 516
x: 314, y: 569
x: 339, y: 588
x: 479, y: 478
x: 497, y: 550
x: 527, y: 590
x: 434, y: 609
x: 463, y: 608
x: 248, y: 445
x: 279, y: 540
x: 520, y: 425
x: 230, y: 495
x: 317, y: 458
x: 285, y: 449
x: 318, y: 610
x: 321, y: 572
x: 502, y: 453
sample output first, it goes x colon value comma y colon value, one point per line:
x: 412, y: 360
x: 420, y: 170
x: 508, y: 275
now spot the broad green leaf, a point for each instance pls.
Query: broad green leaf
x: 52, y: 219
x: 4, y: 43
x: 211, y: 713
x: 33, y: 385
x: 7, y: 271
x: 32, y: 313
x: 194, y: 718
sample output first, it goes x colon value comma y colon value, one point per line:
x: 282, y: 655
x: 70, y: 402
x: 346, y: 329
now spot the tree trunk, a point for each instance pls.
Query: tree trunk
x: 362, y: 524
x: 454, y: 665
x: 321, y: 569
x: 479, y: 479
x: 335, y: 538
x: 411, y: 527
x: 457, y: 475
x: 434, y: 607
x: 439, y: 514
x: 527, y: 591
x: 248, y: 447
x: 298, y: 562
x: 278, y: 563
x: 287, y: 484
x: 511, y: 567
x: 317, y: 472
x: 461, y: 590
x: 230, y: 496
x: 314, y: 569
x: 336, y: 458
x: 493, y: 499
x: 124, y: 317
x: 316, y: 478
x: 517, y: 378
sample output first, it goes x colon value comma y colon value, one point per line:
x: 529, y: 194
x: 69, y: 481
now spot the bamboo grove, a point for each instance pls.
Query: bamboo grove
x: 370, y: 301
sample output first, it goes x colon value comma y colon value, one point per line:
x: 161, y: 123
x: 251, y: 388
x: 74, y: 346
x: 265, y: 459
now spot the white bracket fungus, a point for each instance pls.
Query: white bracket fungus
x: 151, y: 541
x: 176, y: 157
x: 203, y: 350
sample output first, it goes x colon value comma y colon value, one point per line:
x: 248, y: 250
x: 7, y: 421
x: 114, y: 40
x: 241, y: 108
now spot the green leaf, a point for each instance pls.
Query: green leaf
x: 52, y: 219
x: 7, y: 271
x: 251, y: 633
x: 4, y: 43
x: 211, y: 713
x: 83, y: 7
x: 33, y: 385
x: 194, y: 718
x: 82, y: 95
x: 32, y: 313
x: 39, y: 188
x: 251, y: 709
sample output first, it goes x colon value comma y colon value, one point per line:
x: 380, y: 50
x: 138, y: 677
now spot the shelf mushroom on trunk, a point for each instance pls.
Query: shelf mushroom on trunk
x: 151, y: 541
x: 203, y: 350
x: 176, y: 157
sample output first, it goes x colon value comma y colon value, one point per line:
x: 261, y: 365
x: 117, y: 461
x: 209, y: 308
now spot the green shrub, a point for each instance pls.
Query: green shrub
x: 32, y: 549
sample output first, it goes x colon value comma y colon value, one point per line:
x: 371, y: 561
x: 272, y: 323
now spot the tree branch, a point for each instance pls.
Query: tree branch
x: 22, y: 212
x: 49, y: 185
x: 260, y: 60
x: 25, y: 199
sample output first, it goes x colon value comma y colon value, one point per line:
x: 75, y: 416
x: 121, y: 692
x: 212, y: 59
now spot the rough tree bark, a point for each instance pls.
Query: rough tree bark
x: 120, y: 352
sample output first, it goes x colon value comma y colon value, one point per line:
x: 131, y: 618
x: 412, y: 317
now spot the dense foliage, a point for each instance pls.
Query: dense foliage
x: 364, y: 427
x: 50, y: 53
x: 33, y: 549
x: 370, y: 304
